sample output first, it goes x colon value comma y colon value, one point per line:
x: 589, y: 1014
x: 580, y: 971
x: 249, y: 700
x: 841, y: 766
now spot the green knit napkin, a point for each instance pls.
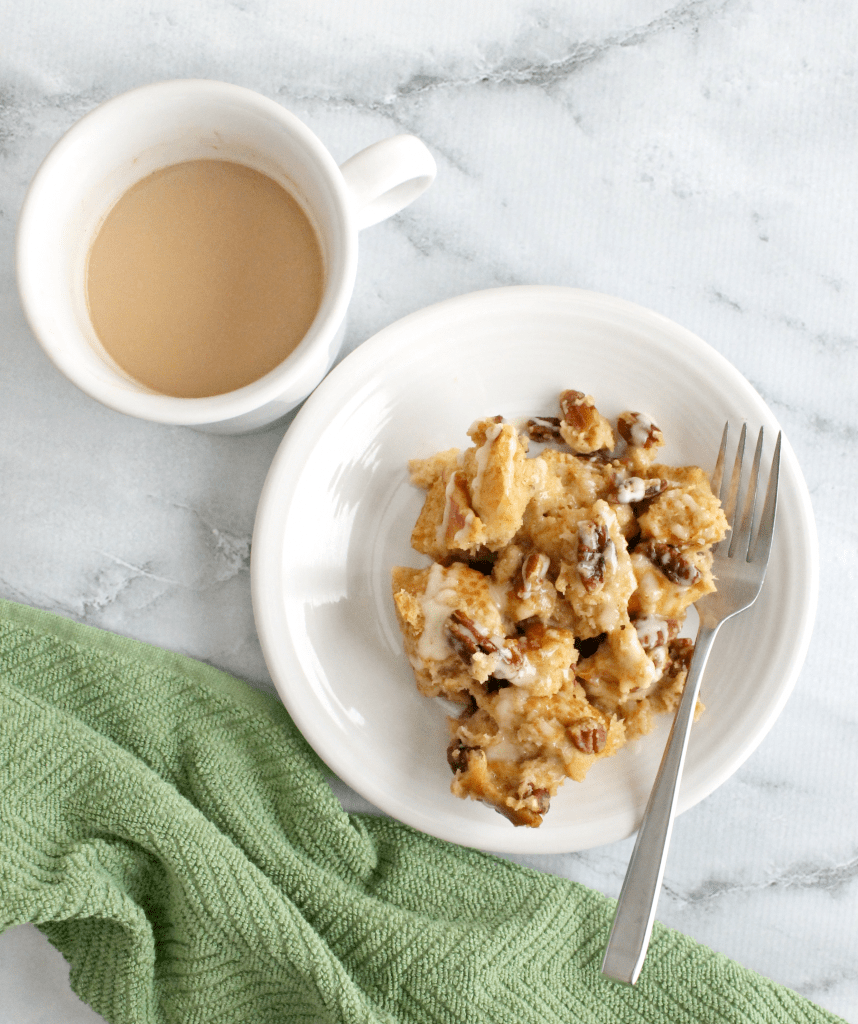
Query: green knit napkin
x: 169, y: 830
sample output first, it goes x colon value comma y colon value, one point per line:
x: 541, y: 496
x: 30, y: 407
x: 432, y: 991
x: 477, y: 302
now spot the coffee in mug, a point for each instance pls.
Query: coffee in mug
x: 203, y: 277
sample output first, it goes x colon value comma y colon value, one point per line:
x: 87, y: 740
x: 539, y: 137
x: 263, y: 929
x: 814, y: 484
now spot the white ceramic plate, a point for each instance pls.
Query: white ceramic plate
x: 337, y: 510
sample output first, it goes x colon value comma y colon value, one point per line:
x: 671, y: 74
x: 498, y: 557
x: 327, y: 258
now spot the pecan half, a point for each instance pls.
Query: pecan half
x: 534, y: 634
x: 600, y: 457
x: 654, y: 631
x: 638, y: 430
x: 596, y: 552
x: 543, y: 429
x: 671, y: 562
x: 458, y: 755
x: 577, y: 411
x: 538, y: 799
x: 466, y: 637
x: 511, y: 655
x: 533, y: 570
x: 679, y: 652
x: 632, y: 489
x: 588, y: 735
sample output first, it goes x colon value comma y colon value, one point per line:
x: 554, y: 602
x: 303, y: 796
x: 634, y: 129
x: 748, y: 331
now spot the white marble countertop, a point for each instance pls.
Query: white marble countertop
x: 695, y: 156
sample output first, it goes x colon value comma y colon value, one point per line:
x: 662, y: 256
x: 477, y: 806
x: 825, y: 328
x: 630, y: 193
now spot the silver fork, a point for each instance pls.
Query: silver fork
x: 739, y: 567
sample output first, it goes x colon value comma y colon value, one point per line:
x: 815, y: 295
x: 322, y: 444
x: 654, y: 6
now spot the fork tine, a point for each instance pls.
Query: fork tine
x: 718, y: 472
x: 740, y: 541
x: 762, y: 543
x: 730, y: 502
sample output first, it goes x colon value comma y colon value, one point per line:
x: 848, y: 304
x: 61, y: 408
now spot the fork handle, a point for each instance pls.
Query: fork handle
x: 633, y: 919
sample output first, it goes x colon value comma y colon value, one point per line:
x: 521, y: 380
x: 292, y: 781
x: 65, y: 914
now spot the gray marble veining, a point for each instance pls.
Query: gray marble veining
x: 695, y: 157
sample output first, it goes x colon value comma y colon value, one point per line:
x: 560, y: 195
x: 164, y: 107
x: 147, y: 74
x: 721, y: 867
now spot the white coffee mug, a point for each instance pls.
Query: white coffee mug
x: 136, y: 134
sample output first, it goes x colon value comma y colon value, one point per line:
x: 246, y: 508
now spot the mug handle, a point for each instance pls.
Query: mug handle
x: 387, y: 176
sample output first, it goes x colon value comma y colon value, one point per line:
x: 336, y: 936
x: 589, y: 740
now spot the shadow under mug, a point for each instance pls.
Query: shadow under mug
x: 134, y: 135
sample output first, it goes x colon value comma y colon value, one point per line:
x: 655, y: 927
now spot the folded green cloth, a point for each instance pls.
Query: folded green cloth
x: 171, y: 833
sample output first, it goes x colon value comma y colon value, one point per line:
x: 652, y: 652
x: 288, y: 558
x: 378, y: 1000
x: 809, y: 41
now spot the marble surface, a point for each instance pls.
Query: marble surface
x: 696, y: 156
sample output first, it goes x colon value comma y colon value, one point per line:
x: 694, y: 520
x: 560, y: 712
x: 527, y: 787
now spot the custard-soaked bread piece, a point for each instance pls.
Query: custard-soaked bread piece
x: 476, y: 501
x: 425, y: 472
x: 459, y: 641
x: 673, y: 561
x: 582, y: 426
x: 559, y: 586
x: 432, y: 535
x: 619, y: 668
x: 514, y: 750
x: 501, y: 479
x: 426, y: 602
x: 665, y: 691
x: 572, y: 480
x: 669, y: 579
x: 638, y: 672
x: 686, y: 513
x: 436, y: 673
x: 594, y: 572
x: 435, y: 531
